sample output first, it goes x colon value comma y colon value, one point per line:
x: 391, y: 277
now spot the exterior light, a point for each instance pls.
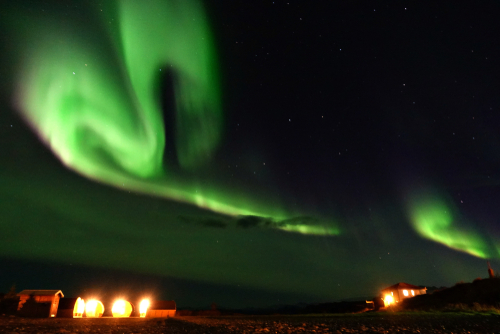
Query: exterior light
x: 388, y: 300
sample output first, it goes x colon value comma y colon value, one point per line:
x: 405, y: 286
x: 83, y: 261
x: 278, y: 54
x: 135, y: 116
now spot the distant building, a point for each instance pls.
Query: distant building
x: 397, y: 292
x: 161, y: 309
x: 38, y: 303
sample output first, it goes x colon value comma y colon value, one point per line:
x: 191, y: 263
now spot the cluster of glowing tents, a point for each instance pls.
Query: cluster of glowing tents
x: 95, y: 309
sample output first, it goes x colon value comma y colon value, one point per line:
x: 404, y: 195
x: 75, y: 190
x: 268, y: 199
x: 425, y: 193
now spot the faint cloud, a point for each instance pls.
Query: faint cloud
x: 303, y: 225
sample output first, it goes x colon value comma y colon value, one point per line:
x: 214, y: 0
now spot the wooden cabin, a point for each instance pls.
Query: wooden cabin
x: 39, y: 303
x: 397, y: 292
x: 161, y: 309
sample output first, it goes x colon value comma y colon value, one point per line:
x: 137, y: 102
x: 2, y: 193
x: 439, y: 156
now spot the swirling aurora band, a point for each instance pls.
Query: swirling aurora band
x: 100, y: 114
x: 437, y: 219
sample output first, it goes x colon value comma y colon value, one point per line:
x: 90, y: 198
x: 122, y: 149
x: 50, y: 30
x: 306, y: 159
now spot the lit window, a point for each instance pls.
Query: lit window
x: 412, y: 293
x: 392, y: 293
x: 405, y: 292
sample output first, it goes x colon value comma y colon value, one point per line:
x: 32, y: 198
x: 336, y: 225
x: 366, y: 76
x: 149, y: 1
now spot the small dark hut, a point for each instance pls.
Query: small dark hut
x: 39, y: 303
x: 66, y: 307
x: 161, y: 309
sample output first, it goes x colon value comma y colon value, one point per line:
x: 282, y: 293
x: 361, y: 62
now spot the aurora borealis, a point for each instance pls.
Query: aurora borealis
x: 248, y: 154
x: 435, y: 220
x: 106, y: 123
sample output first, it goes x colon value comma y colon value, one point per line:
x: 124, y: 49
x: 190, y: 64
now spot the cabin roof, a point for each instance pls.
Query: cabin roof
x: 40, y: 293
x: 402, y: 285
x: 162, y: 305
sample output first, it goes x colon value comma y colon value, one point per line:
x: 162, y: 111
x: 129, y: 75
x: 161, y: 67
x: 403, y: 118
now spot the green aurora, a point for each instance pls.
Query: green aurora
x: 438, y: 220
x: 98, y: 108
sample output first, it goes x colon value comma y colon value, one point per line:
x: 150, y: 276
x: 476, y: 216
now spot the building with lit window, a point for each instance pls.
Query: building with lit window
x: 397, y: 292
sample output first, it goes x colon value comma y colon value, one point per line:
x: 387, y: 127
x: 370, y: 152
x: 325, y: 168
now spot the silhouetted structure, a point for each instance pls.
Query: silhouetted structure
x: 491, y: 273
x: 66, y: 307
x: 161, y: 309
x: 9, y: 302
x: 38, y: 303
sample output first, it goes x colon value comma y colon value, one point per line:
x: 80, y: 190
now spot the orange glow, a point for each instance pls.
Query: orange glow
x: 94, y: 309
x: 121, y: 309
x: 143, y: 307
x: 79, y: 308
x: 388, y: 300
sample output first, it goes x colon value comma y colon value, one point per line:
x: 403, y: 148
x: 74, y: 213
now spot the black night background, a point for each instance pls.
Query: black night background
x: 358, y: 147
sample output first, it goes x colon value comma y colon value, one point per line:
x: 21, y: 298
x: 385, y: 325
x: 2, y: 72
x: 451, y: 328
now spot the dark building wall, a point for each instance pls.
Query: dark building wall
x: 38, y: 306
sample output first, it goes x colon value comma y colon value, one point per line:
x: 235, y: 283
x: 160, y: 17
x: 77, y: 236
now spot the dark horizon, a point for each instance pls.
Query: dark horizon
x: 109, y: 285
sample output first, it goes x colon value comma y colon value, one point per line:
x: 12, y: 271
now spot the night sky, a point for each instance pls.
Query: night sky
x: 248, y: 153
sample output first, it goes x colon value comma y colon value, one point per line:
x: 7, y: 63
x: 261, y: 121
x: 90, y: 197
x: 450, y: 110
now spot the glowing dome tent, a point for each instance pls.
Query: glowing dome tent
x: 143, y: 307
x: 397, y: 292
x: 122, y: 309
x: 94, y: 309
x: 79, y: 308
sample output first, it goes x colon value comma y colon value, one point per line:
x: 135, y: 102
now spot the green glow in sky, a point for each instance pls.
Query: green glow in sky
x: 437, y: 220
x: 102, y: 115
x: 176, y: 34
x: 312, y: 230
x: 98, y: 107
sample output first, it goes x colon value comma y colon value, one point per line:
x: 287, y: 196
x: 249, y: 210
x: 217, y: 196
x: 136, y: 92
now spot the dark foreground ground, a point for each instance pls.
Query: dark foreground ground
x: 361, y: 323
